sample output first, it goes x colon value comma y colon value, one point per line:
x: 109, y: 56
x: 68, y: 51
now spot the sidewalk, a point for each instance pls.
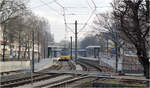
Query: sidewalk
x: 24, y: 65
x: 13, y: 65
x: 44, y: 63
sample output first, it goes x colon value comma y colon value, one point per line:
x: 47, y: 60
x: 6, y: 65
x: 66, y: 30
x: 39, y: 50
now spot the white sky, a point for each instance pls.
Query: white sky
x: 79, y: 10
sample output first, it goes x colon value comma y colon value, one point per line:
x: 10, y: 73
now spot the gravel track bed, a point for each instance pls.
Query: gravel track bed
x: 94, y: 66
x: 65, y: 65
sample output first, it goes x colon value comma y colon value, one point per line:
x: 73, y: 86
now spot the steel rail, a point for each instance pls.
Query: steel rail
x: 24, y: 80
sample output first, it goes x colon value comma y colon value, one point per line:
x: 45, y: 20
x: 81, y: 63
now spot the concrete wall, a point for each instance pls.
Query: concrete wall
x: 14, y: 65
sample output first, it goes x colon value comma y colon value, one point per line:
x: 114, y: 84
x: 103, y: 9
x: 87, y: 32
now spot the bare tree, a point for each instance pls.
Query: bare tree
x: 89, y: 40
x: 9, y: 9
x: 18, y: 22
x: 132, y: 18
x: 106, y: 27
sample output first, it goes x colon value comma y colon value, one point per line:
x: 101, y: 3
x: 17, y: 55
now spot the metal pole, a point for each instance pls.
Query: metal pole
x: 71, y: 47
x: 44, y: 45
x: 38, y: 47
x: 47, y: 46
x: 75, y: 40
x: 33, y: 51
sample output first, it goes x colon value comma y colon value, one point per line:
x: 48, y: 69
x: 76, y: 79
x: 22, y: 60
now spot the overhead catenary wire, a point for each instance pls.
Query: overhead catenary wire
x: 50, y: 7
x: 48, y: 3
x: 93, y: 7
x: 64, y: 14
x: 59, y: 4
x: 94, y: 4
x: 92, y: 13
x: 65, y: 21
x: 84, y: 33
x: 85, y: 24
x: 89, y: 5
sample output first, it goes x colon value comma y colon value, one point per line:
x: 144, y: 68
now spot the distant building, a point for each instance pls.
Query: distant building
x: 11, y: 50
x: 54, y: 50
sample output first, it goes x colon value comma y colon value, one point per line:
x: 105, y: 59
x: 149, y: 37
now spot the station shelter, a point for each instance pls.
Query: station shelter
x: 93, y: 51
x: 80, y: 52
x: 54, y: 51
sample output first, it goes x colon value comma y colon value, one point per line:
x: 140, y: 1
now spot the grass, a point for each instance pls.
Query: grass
x: 117, y: 81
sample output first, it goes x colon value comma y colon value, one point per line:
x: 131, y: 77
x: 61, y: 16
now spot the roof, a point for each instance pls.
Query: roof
x: 93, y: 47
x: 55, y: 46
x: 56, y: 49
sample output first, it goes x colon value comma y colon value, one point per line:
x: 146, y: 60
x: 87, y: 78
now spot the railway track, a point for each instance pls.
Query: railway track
x: 48, y: 80
x: 87, y: 66
x: 14, y: 82
x: 65, y: 65
x: 73, y: 79
x: 69, y: 78
x: 62, y: 82
x: 38, y: 76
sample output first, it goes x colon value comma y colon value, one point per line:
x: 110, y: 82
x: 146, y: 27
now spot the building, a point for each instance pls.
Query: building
x: 12, y: 49
x: 54, y: 49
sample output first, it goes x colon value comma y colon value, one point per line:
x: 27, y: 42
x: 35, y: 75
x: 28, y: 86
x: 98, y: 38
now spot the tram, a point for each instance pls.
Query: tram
x: 64, y: 55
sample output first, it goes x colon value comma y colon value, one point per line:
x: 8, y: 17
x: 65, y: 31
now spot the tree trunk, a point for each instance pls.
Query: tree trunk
x: 146, y: 69
x: 107, y: 46
x: 145, y: 66
x: 25, y: 51
x: 144, y: 60
x: 28, y: 47
x: 4, y: 43
x: 19, y: 47
x: 4, y: 50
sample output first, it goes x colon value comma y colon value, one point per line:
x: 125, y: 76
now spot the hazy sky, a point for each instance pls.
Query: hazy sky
x: 80, y: 10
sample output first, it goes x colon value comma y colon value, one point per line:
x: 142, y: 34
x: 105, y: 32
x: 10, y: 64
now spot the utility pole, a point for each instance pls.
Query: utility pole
x: 38, y: 47
x: 44, y: 45
x: 33, y: 51
x: 76, y: 41
x: 71, y: 47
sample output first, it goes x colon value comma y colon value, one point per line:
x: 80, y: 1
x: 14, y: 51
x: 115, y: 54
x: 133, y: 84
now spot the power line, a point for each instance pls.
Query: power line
x: 64, y: 14
x: 59, y: 4
x: 94, y: 4
x: 87, y: 20
x: 49, y: 6
x: 76, y: 7
x: 43, y: 4
x: 76, y: 14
